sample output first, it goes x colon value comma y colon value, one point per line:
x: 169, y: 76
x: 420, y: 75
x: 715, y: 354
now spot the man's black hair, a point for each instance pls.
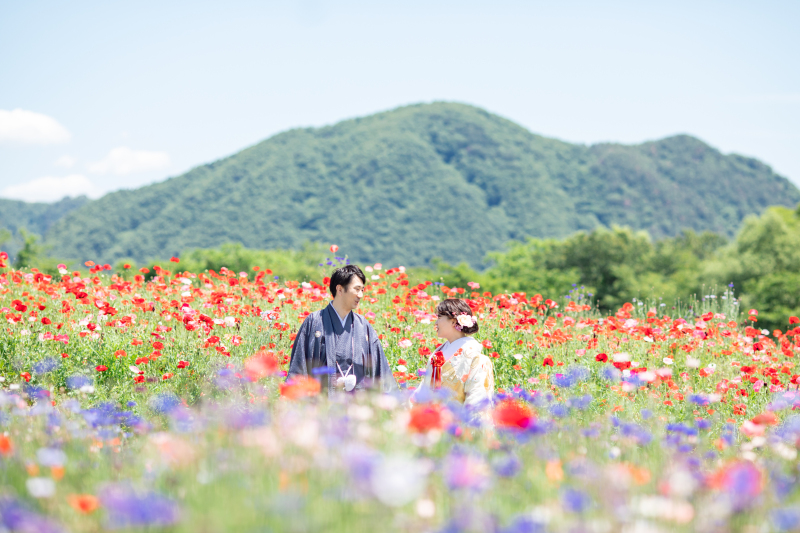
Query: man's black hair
x: 343, y: 276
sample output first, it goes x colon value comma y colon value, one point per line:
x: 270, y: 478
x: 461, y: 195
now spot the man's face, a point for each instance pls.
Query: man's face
x: 351, y: 295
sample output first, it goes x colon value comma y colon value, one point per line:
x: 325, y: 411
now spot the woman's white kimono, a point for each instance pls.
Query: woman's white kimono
x: 467, y: 373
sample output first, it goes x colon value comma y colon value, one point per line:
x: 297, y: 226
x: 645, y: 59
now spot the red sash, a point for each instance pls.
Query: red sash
x: 437, y: 362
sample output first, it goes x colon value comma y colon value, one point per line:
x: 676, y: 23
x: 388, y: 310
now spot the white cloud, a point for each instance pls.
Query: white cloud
x: 123, y: 160
x: 31, y: 128
x: 51, y: 189
x: 65, y: 161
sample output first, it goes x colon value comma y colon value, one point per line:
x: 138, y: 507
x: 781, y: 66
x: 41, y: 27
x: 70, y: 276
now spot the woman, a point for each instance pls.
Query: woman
x: 458, y: 365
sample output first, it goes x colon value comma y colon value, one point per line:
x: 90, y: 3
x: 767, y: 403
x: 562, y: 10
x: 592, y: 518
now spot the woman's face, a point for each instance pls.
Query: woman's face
x: 445, y: 327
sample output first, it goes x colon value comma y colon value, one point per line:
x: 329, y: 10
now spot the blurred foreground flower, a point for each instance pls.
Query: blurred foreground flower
x: 83, y: 503
x: 300, y: 387
x: 127, y: 508
x: 261, y: 365
x: 398, y: 480
x: 511, y: 414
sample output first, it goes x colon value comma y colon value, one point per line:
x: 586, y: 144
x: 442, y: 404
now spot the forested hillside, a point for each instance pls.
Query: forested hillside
x: 422, y: 181
x: 34, y: 218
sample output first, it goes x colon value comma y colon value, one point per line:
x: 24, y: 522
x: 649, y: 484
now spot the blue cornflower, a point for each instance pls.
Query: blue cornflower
x: 786, y: 519
x: 506, y: 464
x: 575, y: 500
x: 164, y: 402
x: 559, y: 410
x: 15, y: 516
x: 580, y: 402
x: 126, y: 508
x: 524, y: 524
x: 78, y: 381
x: 45, y: 365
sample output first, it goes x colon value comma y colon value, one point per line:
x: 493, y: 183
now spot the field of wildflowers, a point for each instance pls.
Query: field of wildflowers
x: 157, y: 400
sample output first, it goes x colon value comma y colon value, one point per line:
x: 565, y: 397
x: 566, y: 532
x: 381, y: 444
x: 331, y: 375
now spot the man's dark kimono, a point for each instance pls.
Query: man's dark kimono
x: 324, y: 343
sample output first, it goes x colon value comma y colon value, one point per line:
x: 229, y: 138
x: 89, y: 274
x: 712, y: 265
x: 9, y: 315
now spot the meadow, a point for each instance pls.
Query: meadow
x: 156, y: 400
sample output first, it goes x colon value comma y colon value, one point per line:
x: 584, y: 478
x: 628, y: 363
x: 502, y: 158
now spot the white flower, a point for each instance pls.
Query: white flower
x: 466, y: 321
x: 404, y: 343
x: 691, y: 362
x: 402, y: 368
x: 517, y: 356
x: 398, y: 480
x: 41, y: 487
x: 667, y: 361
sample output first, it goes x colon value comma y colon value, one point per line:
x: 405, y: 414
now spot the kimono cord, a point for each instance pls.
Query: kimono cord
x: 437, y: 362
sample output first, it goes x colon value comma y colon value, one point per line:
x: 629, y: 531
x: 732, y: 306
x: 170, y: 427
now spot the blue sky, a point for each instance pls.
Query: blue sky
x: 97, y: 96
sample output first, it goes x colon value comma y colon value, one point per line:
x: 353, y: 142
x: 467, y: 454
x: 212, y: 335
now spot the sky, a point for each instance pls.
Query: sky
x: 98, y: 96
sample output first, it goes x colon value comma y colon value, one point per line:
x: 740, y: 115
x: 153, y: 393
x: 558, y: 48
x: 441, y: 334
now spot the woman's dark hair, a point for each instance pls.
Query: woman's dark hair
x: 343, y: 276
x: 452, y: 307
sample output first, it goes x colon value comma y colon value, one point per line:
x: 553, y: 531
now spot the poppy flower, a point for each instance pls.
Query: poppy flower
x: 26, y: 376
x: 83, y: 503
x: 601, y: 357
x: 425, y: 417
x: 183, y: 364
x: 101, y: 368
x: 260, y: 365
x: 6, y: 446
x: 511, y: 414
x: 167, y: 376
x: 299, y: 387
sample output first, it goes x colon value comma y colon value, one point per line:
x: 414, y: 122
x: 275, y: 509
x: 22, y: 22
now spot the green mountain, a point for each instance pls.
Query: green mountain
x: 422, y: 181
x: 31, y: 217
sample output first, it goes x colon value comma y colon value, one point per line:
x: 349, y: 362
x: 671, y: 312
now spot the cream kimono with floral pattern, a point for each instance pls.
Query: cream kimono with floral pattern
x: 467, y: 373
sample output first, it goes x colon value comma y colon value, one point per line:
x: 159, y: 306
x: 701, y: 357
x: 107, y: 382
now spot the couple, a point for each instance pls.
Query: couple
x: 342, y: 350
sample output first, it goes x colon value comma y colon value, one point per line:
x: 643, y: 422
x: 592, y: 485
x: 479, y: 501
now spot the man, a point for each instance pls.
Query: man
x: 338, y: 346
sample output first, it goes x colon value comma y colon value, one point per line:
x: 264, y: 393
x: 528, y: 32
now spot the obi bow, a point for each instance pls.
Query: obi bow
x: 437, y: 362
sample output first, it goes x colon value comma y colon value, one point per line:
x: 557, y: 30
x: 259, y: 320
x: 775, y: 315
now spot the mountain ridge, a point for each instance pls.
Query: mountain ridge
x: 422, y: 181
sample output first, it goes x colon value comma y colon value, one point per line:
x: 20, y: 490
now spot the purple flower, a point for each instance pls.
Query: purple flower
x: 127, y: 508
x: 786, y: 519
x: 506, y: 464
x: 466, y: 471
x: 164, y: 402
x: 18, y: 518
x: 575, y: 501
x: 46, y: 365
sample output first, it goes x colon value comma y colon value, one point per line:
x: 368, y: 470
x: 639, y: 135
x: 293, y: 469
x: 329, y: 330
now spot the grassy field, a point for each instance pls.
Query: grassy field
x: 157, y: 400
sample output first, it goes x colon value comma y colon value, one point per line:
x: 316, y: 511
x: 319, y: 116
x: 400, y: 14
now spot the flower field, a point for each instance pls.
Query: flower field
x: 157, y: 400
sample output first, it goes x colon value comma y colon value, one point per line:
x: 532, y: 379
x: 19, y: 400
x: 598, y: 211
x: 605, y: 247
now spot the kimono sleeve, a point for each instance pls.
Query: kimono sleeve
x: 301, y: 350
x: 479, y: 387
x: 383, y: 372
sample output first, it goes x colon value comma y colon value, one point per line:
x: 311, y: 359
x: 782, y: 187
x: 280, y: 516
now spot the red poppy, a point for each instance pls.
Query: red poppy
x: 167, y: 376
x: 101, y: 368
x: 174, y: 260
x: 425, y: 417
x: 794, y: 320
x: 548, y: 361
x: 511, y: 414
x: 83, y: 503
x: 334, y: 248
x: 260, y: 365
x: 183, y: 364
x: 26, y: 376
x: 120, y: 353
x: 601, y: 357
x: 299, y: 387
